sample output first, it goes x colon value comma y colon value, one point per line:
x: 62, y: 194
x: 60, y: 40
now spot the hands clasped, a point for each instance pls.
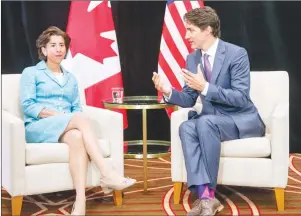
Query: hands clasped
x: 45, y: 113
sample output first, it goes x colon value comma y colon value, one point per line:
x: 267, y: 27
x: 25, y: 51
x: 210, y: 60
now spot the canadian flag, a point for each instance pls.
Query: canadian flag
x: 94, y: 51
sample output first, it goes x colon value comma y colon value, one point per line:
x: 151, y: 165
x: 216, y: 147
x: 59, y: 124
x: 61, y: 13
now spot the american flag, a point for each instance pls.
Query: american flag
x: 174, y: 48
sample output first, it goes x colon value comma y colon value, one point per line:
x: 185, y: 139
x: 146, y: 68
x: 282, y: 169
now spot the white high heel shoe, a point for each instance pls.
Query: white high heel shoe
x: 72, y: 211
x: 75, y: 213
x: 106, y: 190
x: 108, y: 186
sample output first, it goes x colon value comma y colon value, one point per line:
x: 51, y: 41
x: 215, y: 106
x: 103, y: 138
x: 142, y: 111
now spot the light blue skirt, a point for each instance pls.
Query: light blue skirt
x: 47, y: 130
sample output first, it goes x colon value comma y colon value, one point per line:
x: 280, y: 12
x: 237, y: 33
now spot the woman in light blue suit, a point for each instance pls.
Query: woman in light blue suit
x: 52, y: 113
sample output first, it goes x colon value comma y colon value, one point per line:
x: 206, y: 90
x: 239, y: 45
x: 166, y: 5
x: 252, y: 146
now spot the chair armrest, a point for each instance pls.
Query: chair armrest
x: 198, y: 107
x: 13, y: 154
x: 280, y: 143
x: 109, y: 125
x: 177, y: 157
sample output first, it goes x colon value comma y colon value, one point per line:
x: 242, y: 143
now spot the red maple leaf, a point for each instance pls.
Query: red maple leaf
x: 85, y: 28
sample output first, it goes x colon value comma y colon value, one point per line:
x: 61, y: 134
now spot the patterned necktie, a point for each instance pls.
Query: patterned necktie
x: 207, y: 67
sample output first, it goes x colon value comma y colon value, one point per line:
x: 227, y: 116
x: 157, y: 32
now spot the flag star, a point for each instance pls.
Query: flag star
x: 93, y: 5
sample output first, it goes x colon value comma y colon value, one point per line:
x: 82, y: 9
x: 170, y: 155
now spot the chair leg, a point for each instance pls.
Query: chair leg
x: 279, y: 194
x: 16, y: 205
x: 117, y: 197
x: 177, y: 186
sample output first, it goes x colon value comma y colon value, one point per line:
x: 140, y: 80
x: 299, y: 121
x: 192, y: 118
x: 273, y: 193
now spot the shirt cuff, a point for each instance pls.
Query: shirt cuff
x: 167, y: 97
x: 205, y: 90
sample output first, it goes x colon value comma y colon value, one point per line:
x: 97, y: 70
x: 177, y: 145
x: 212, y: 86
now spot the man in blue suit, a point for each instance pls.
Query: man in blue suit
x: 218, y: 72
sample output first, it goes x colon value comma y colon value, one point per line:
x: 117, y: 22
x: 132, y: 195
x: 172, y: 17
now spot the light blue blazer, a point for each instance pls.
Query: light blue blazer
x: 40, y: 89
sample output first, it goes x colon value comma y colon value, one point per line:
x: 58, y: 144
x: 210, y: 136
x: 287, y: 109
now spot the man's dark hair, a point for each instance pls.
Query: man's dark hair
x: 204, y: 17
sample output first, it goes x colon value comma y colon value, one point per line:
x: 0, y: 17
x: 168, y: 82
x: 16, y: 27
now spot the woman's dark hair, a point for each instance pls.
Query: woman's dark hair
x: 44, y: 38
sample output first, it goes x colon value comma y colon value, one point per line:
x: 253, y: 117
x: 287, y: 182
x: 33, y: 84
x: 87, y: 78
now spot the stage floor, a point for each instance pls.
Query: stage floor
x: 159, y: 199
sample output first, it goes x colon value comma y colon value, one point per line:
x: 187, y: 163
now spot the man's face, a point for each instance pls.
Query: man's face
x: 196, y: 36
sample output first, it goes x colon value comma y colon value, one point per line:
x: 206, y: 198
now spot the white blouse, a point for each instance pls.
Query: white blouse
x: 59, y: 77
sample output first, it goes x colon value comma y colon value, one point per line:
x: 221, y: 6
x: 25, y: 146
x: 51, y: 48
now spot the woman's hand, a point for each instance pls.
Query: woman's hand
x: 47, y: 113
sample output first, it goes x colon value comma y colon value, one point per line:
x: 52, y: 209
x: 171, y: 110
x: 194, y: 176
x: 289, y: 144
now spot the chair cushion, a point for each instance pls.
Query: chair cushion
x: 247, y: 148
x: 45, y: 153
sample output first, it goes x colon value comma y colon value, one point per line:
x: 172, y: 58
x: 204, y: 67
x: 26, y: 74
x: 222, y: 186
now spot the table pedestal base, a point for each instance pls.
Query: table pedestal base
x: 155, y: 149
x: 144, y: 149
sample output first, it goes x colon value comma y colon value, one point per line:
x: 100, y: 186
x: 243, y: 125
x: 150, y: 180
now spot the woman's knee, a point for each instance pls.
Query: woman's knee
x: 79, y: 118
x: 73, y: 138
x: 75, y: 134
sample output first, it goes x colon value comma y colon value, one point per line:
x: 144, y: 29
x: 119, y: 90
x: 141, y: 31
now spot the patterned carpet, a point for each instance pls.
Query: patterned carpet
x: 159, y: 199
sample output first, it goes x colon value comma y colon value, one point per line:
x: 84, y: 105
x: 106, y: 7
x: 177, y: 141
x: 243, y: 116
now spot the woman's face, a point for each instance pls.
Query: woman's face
x: 55, y: 49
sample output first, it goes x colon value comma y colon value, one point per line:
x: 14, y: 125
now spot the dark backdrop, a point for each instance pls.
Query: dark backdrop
x: 268, y: 30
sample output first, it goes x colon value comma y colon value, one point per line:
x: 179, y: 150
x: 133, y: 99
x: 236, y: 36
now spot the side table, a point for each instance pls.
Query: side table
x: 158, y: 148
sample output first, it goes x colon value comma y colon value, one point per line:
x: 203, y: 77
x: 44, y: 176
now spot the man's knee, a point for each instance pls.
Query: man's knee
x: 186, y: 127
x: 205, y: 122
x: 208, y: 125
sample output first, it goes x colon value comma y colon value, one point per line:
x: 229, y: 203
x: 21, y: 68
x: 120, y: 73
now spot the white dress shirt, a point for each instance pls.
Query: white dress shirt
x: 211, y: 52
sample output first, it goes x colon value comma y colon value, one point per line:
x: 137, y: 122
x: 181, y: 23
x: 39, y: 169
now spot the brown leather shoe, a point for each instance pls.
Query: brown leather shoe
x: 210, y: 207
x: 196, y: 208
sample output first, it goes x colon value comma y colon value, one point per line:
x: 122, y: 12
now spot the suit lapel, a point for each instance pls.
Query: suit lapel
x: 51, y: 76
x: 218, y: 61
x: 198, y: 56
x: 66, y: 77
x: 42, y: 66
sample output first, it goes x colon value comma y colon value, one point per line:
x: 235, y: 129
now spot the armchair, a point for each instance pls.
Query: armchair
x: 254, y: 162
x: 35, y: 168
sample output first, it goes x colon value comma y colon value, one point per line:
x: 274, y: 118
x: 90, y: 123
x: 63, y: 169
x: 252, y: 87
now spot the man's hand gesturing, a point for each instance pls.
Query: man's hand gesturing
x: 160, y: 85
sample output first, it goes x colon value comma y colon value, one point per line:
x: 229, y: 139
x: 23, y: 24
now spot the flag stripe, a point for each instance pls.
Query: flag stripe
x: 173, y: 49
x: 164, y: 77
x: 195, y: 4
x: 175, y: 67
x: 178, y: 20
x: 167, y: 70
x: 176, y: 36
x: 188, y: 5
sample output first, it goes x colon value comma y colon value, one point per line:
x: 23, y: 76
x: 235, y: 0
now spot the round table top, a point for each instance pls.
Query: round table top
x: 137, y: 102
